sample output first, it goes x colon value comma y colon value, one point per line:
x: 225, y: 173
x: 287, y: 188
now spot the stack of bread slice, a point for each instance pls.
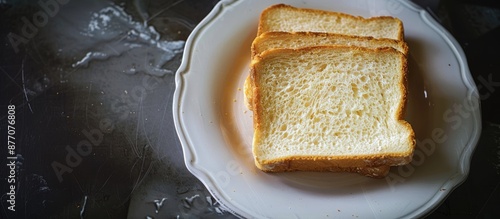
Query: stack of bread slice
x: 328, y: 92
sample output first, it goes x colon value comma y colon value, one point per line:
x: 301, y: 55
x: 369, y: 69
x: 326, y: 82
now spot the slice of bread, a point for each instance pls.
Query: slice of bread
x: 330, y: 107
x: 272, y: 40
x: 294, y: 40
x: 286, y: 18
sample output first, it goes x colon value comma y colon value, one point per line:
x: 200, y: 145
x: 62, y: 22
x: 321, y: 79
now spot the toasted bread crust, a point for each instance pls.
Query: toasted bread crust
x: 256, y: 46
x: 323, y: 166
x: 403, y: 86
x: 312, y: 163
x: 263, y: 27
x: 355, y: 163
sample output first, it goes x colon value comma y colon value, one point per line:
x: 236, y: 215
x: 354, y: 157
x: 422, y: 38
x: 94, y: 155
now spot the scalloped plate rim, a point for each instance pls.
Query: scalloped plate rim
x: 203, y: 175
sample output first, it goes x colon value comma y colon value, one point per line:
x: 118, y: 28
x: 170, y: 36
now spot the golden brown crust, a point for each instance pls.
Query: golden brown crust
x: 262, y: 27
x: 403, y: 103
x: 255, y: 96
x: 256, y: 44
x: 320, y: 166
x: 319, y: 162
x: 401, y: 35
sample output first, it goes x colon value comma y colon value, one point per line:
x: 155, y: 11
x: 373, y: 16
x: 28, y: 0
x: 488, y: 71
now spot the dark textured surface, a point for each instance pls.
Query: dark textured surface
x: 476, y: 26
x: 110, y: 123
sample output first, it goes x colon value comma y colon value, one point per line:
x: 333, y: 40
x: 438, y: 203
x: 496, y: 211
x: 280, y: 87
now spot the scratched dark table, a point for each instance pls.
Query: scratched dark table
x: 89, y: 86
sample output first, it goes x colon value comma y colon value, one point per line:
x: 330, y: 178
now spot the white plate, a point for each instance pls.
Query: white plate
x: 215, y: 128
